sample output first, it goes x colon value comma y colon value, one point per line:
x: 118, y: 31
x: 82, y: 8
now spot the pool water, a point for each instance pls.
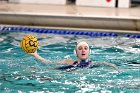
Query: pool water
x: 21, y: 73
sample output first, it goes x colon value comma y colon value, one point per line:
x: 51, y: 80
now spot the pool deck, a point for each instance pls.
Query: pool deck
x: 71, y: 16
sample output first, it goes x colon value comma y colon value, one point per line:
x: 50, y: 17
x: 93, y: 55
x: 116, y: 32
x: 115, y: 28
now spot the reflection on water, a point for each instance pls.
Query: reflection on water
x: 22, y: 73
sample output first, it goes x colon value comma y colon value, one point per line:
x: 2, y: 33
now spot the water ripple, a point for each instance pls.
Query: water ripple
x: 7, y: 50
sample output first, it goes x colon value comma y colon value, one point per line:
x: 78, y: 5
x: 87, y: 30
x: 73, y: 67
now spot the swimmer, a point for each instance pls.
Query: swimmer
x: 82, y: 52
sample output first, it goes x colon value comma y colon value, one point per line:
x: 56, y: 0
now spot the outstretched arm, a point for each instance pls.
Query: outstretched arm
x: 39, y: 58
x: 109, y: 64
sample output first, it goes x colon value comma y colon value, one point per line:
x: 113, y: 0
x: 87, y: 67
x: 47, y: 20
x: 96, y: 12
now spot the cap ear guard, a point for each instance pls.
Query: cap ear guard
x: 74, y: 51
x: 90, y: 51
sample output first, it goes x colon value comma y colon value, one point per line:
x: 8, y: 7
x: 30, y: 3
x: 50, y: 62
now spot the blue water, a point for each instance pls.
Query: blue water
x: 21, y: 73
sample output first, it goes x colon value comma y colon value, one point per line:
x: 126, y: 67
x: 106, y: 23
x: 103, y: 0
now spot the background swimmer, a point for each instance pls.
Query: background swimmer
x: 82, y: 52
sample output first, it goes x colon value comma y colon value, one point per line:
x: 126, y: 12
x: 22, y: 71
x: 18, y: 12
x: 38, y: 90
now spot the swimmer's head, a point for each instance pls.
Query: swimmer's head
x: 82, y: 50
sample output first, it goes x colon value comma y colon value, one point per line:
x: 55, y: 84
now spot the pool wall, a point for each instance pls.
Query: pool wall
x: 71, y: 21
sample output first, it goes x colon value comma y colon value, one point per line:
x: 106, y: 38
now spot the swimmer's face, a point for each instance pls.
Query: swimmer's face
x: 82, y: 52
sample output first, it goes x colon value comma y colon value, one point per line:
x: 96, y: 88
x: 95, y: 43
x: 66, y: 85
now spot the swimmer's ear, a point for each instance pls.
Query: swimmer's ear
x: 75, y: 53
x: 90, y: 51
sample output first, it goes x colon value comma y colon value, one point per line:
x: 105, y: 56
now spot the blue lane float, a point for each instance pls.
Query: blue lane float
x: 132, y: 35
x: 66, y: 32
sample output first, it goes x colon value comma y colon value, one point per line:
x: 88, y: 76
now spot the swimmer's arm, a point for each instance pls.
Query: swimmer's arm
x: 39, y: 58
x: 109, y: 64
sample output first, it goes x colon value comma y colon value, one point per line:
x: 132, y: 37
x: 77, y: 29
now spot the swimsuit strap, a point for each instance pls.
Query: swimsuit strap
x: 75, y: 63
x: 82, y: 64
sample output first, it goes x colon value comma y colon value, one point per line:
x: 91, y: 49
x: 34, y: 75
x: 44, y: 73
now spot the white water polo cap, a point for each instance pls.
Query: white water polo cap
x: 80, y: 44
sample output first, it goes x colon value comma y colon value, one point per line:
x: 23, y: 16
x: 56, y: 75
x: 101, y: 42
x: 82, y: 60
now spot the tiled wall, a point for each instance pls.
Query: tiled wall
x: 105, y: 3
x: 98, y: 3
x: 61, y: 2
x: 95, y: 3
x: 124, y: 3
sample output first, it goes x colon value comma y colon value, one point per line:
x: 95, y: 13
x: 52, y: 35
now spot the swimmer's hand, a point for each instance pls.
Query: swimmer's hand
x: 39, y: 58
x: 33, y: 54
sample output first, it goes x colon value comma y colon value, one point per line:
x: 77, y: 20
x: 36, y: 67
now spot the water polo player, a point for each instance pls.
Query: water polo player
x: 82, y: 52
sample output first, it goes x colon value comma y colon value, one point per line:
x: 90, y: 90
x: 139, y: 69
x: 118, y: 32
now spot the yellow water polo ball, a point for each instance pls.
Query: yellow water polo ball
x: 29, y: 44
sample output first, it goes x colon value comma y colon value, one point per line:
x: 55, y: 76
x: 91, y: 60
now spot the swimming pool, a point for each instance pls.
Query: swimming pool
x: 21, y: 73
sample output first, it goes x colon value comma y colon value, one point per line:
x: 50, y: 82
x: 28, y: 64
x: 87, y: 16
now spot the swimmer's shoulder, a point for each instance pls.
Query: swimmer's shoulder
x: 67, y: 61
